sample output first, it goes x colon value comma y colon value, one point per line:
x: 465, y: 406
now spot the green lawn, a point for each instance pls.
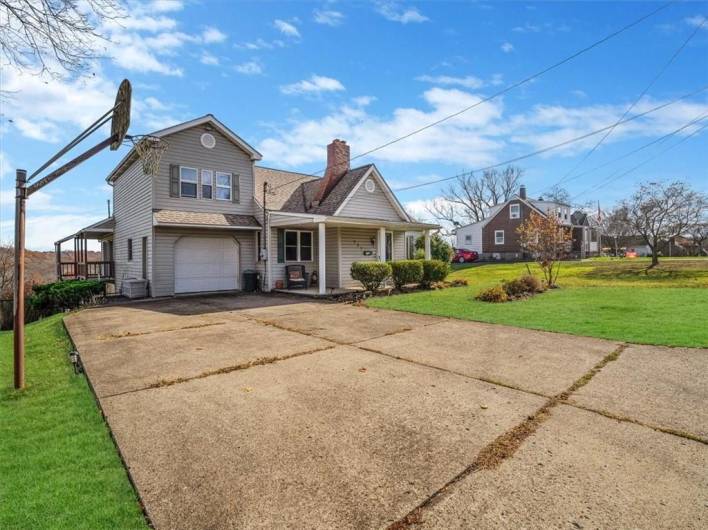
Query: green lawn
x: 58, y: 465
x: 608, y: 298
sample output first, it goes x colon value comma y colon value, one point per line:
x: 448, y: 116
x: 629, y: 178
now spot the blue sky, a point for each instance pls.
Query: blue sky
x: 290, y: 76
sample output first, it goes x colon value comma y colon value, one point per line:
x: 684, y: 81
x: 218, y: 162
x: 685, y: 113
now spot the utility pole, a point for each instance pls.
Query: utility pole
x: 264, y: 238
x: 19, y: 298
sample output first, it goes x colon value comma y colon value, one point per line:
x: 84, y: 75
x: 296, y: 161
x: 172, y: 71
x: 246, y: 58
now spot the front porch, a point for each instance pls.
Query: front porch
x: 79, y: 266
x: 326, y: 247
x: 314, y: 292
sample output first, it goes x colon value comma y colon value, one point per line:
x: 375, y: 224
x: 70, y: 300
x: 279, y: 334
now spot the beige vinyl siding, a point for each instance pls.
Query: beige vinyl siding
x: 185, y: 149
x: 278, y: 269
x: 354, y: 242
x: 375, y: 205
x: 164, y: 255
x: 332, y: 257
x: 133, y: 220
x: 399, y: 246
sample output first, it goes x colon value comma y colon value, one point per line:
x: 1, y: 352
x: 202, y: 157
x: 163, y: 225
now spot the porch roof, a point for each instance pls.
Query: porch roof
x: 97, y: 230
x: 180, y: 218
x: 283, y: 219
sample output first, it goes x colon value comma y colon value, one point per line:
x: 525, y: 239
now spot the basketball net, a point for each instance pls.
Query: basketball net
x: 150, y: 150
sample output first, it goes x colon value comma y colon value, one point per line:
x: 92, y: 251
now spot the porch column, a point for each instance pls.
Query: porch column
x: 426, y: 236
x: 381, y: 243
x: 57, y: 259
x: 322, y: 258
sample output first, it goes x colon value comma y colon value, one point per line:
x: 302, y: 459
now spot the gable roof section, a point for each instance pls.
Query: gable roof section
x: 373, y: 171
x: 132, y: 156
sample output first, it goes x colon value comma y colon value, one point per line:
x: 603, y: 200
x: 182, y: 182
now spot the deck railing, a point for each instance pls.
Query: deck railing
x: 72, y: 270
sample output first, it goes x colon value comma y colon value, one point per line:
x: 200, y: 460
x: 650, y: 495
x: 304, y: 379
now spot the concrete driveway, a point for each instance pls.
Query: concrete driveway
x: 270, y: 412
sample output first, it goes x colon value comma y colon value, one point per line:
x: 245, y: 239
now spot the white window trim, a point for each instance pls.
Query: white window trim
x: 217, y: 185
x: 468, y: 238
x: 201, y: 184
x: 496, y: 240
x: 312, y: 246
x: 196, y: 182
x: 515, y: 208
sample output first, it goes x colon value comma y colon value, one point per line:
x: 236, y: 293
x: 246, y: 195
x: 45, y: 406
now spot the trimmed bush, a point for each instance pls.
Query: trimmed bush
x: 533, y: 284
x: 371, y: 274
x: 55, y: 297
x: 406, y: 271
x: 434, y: 271
x: 495, y: 294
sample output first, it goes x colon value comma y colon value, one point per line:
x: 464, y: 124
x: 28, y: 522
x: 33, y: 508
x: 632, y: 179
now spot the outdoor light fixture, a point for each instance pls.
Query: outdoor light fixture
x: 75, y: 361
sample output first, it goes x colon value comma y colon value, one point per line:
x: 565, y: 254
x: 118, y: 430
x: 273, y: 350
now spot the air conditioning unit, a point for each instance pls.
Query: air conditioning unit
x: 134, y: 288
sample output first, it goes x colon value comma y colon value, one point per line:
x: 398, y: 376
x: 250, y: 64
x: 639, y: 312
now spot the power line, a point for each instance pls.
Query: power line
x: 645, y: 162
x: 501, y: 92
x: 633, y: 151
x: 630, y: 107
x: 552, y: 147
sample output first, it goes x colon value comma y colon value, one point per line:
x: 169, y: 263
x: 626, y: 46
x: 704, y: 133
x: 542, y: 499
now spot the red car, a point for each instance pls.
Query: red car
x: 465, y: 256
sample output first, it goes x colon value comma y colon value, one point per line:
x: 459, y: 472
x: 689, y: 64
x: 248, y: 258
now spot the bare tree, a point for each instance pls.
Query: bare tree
x: 699, y: 234
x: 7, y: 263
x: 659, y: 211
x: 53, y: 36
x: 557, y: 194
x: 469, y: 198
x: 615, y: 225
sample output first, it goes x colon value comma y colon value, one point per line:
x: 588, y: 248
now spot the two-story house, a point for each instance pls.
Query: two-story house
x: 496, y: 236
x: 210, y: 213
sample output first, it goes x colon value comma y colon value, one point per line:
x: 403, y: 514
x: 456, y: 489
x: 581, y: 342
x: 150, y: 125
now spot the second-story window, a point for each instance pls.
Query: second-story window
x: 514, y: 211
x: 207, y: 184
x: 223, y: 186
x: 188, y: 182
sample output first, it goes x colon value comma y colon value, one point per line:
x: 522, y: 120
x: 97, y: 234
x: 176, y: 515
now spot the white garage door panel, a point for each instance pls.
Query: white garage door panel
x: 206, y: 264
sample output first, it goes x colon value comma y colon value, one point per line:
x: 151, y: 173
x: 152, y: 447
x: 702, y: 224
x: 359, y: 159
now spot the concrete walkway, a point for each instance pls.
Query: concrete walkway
x: 261, y: 412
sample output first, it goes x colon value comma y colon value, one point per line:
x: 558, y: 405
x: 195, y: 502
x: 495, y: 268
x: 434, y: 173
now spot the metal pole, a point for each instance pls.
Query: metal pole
x: 264, y: 241
x: 19, y: 294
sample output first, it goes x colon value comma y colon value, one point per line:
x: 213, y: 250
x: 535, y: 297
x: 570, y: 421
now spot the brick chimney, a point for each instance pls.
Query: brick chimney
x: 337, y: 166
x: 522, y: 191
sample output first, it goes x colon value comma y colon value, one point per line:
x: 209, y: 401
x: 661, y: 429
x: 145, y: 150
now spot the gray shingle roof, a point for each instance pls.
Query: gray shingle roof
x: 226, y: 220
x: 294, y: 192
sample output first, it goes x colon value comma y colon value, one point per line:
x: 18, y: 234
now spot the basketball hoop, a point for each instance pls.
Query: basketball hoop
x: 121, y: 114
x: 150, y: 150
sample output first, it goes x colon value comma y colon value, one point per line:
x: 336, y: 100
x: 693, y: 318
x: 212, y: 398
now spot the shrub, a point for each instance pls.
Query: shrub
x: 54, y: 297
x: 434, y: 271
x: 515, y: 288
x: 495, y: 294
x: 371, y: 274
x: 406, y: 271
x: 533, y: 284
x: 439, y: 248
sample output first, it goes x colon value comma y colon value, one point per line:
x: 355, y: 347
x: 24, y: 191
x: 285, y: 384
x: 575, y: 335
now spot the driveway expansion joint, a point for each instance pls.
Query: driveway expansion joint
x: 225, y: 370
x: 505, y: 445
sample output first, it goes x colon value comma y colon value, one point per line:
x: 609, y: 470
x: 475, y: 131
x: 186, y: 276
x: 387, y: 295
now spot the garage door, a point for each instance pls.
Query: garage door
x: 206, y: 264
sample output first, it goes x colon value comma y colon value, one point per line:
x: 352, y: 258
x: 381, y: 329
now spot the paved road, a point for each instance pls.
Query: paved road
x: 263, y: 412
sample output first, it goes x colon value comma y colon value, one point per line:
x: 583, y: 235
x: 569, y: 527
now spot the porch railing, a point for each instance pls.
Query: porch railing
x: 72, y: 270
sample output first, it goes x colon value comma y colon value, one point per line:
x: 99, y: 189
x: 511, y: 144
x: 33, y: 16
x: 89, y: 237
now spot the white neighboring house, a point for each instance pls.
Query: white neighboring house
x: 201, y: 222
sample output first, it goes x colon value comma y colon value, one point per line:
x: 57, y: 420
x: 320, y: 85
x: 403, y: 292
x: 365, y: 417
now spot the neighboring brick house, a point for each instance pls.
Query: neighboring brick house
x: 496, y: 237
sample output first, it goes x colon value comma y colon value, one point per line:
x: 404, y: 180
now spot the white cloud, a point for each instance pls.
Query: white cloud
x: 328, y: 17
x: 507, y: 47
x: 261, y: 44
x: 315, y: 85
x: 696, y: 21
x: 6, y: 167
x: 286, y: 28
x: 212, y: 35
x: 249, y: 68
x: 527, y: 28
x: 143, y: 23
x: 364, y: 101
x: 457, y: 140
x: 44, y: 230
x: 208, y: 58
x: 48, y: 109
x: 163, y: 6
x: 394, y: 12
x: 446, y: 80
